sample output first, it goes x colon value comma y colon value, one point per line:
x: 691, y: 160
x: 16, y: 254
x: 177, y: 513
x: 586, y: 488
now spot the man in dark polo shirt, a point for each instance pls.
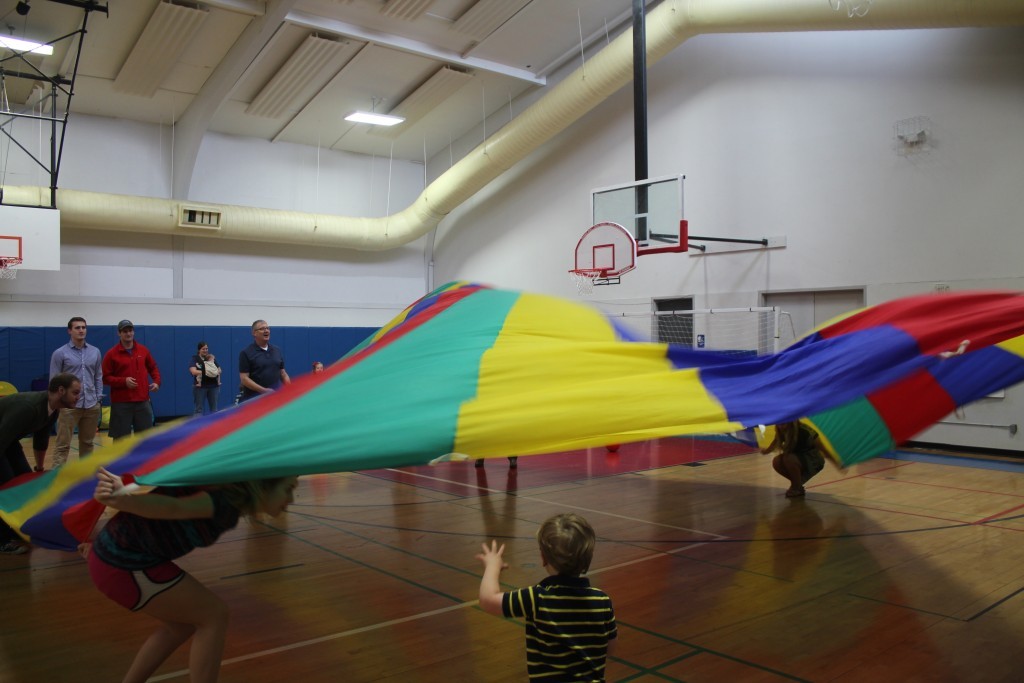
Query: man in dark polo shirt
x: 31, y: 412
x: 260, y: 365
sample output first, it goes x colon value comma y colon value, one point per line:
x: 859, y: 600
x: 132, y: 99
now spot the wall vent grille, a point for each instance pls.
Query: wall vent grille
x: 199, y: 217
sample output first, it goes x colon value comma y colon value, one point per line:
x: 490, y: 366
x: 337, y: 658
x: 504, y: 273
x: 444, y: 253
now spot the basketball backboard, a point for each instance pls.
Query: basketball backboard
x: 604, y: 252
x: 651, y: 210
x: 31, y: 234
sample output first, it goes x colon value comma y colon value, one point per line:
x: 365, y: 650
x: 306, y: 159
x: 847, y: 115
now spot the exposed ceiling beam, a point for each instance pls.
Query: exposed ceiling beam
x: 218, y: 87
x: 486, y: 17
x: 254, y: 7
x: 444, y: 83
x: 410, y: 10
x: 305, y: 64
x: 575, y: 52
x: 167, y: 35
x: 318, y: 23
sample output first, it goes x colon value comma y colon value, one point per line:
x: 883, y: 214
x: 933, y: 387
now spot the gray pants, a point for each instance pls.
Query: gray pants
x: 128, y: 415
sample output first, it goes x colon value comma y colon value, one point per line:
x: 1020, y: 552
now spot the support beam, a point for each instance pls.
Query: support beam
x: 196, y: 120
x: 317, y: 23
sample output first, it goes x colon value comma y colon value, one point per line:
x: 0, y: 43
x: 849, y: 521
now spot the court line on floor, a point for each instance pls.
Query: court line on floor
x: 462, y: 605
x: 374, y: 627
x: 322, y: 639
x: 537, y: 499
x: 431, y: 613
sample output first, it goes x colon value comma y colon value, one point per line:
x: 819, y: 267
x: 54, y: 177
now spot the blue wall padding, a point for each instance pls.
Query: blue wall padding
x: 25, y: 355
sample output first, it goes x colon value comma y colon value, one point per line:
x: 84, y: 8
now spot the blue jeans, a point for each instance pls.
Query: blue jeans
x: 210, y: 394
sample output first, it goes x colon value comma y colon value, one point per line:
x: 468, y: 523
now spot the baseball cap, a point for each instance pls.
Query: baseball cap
x: 123, y: 324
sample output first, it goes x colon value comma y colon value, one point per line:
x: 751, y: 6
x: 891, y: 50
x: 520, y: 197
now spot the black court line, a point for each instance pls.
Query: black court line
x: 698, y: 649
x: 263, y: 571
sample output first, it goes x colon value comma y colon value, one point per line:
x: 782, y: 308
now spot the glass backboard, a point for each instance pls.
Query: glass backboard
x: 651, y: 210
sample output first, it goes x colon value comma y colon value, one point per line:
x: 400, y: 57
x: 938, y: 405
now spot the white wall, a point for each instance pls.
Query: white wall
x: 790, y: 135
x: 778, y: 134
x: 196, y: 280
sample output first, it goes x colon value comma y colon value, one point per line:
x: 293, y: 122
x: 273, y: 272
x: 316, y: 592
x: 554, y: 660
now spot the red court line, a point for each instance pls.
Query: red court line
x: 896, y: 512
x: 1000, y: 514
x: 856, y: 476
x: 958, y: 488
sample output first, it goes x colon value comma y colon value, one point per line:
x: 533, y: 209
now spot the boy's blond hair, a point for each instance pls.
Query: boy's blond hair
x: 567, y: 543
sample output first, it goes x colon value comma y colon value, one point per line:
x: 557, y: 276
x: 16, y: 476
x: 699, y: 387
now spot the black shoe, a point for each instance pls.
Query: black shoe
x: 479, y: 463
x: 13, y: 547
x: 513, y: 462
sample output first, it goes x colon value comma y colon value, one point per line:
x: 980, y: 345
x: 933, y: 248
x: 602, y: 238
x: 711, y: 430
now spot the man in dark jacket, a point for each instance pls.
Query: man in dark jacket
x: 32, y: 412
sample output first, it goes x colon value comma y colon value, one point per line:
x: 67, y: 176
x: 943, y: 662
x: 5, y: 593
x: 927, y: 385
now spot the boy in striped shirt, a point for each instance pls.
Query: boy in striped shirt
x: 570, y: 626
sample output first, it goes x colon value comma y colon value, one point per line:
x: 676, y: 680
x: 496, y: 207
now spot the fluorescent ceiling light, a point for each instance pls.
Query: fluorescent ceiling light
x: 375, y: 119
x: 19, y: 45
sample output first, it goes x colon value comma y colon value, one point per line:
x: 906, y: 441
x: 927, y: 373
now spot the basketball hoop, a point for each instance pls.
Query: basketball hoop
x: 7, y: 271
x: 603, y: 253
x: 584, y: 280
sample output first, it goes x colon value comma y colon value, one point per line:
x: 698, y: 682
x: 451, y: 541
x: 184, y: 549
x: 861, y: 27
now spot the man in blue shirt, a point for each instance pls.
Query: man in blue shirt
x: 86, y: 363
x: 260, y: 364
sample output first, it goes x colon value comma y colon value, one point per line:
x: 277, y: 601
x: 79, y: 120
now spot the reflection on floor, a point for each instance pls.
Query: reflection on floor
x: 894, y: 570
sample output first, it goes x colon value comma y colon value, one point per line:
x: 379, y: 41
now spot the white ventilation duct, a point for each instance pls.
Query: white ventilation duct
x: 668, y: 25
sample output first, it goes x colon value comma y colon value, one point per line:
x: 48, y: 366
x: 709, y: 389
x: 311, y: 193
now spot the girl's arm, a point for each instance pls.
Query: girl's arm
x: 490, y: 589
x: 110, y: 491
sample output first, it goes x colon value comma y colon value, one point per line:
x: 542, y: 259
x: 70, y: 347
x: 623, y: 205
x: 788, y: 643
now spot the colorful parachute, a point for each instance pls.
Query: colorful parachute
x: 488, y: 373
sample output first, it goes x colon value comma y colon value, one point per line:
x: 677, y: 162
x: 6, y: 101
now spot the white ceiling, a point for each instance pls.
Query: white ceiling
x: 308, y: 63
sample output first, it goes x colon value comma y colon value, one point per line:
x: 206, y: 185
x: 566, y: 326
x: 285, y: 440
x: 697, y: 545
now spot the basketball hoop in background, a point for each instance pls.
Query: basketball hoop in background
x: 7, y: 271
x: 585, y: 280
x: 603, y: 254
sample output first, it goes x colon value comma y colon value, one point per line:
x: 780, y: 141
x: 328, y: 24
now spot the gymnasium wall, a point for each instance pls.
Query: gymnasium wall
x: 790, y: 135
x: 25, y: 355
x: 183, y: 280
x: 784, y: 134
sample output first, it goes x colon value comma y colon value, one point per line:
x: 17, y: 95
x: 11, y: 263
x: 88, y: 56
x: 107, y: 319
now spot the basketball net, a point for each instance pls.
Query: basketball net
x: 7, y: 272
x: 584, y: 281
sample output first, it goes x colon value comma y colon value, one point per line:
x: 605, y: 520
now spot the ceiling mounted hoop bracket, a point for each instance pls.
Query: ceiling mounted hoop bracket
x: 59, y: 87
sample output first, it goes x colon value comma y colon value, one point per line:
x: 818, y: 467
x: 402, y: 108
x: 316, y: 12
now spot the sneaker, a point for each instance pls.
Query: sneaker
x: 13, y: 548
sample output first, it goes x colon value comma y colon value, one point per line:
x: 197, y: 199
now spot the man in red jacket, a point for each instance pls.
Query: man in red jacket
x: 125, y: 370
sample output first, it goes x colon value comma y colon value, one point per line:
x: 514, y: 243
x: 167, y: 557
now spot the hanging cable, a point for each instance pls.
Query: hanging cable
x: 583, y: 58
x: 387, y: 210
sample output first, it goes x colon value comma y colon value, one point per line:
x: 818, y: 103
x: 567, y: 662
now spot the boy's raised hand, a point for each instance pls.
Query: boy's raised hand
x: 492, y: 555
x: 490, y: 586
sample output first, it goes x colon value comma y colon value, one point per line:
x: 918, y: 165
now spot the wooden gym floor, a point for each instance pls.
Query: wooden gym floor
x: 896, y: 570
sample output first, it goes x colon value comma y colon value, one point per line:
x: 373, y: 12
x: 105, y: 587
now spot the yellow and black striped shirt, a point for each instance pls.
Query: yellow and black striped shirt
x: 568, y: 626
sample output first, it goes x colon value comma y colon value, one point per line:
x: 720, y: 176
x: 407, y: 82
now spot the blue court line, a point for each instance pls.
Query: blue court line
x: 911, y: 456
x: 956, y: 461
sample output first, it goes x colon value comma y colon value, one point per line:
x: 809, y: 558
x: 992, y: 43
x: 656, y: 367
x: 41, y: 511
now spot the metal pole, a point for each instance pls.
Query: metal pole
x: 53, y: 147
x: 640, y: 116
